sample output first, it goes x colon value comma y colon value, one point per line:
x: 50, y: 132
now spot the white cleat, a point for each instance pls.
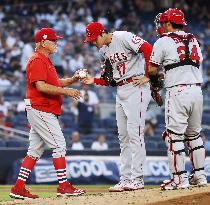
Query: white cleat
x: 119, y: 187
x: 171, y: 185
x: 135, y: 185
x: 165, y: 183
x: 202, y: 182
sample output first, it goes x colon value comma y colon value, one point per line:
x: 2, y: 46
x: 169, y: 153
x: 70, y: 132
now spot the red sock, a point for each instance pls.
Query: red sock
x: 60, y: 168
x: 25, y: 170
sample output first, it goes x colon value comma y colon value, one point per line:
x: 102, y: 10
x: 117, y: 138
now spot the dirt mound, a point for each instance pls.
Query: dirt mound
x: 155, y: 196
x: 201, y: 199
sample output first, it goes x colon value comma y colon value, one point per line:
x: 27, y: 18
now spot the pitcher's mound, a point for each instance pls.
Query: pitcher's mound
x: 193, y: 196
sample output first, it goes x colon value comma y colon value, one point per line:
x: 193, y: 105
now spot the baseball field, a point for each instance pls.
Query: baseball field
x: 98, y: 195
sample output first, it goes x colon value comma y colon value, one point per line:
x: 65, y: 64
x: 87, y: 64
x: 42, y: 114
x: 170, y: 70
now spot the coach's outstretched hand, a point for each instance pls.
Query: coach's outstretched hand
x: 88, y: 79
x: 139, y: 80
x: 74, y: 93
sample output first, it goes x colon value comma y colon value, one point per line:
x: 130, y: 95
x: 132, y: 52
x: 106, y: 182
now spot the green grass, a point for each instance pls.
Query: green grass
x: 46, y: 191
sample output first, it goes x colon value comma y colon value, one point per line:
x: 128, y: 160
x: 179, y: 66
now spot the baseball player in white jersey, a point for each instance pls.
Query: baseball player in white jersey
x: 126, y: 53
x: 180, y: 54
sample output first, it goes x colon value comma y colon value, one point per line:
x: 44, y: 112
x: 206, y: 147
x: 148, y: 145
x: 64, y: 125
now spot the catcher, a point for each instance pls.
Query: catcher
x: 180, y: 55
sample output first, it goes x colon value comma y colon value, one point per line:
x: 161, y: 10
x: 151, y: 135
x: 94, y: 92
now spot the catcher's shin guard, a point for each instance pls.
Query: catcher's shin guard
x: 197, y: 156
x: 166, y: 138
x: 176, y: 156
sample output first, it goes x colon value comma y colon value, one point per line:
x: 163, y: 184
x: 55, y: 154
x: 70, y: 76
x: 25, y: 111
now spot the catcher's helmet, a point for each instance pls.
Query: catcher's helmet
x: 173, y: 15
x: 93, y: 30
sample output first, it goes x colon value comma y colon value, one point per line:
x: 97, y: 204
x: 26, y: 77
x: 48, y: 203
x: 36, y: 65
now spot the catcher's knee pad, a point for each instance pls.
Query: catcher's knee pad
x: 176, y: 152
x: 196, y: 153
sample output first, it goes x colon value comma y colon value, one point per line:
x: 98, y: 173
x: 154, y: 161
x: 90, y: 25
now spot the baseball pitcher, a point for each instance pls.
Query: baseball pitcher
x: 122, y: 56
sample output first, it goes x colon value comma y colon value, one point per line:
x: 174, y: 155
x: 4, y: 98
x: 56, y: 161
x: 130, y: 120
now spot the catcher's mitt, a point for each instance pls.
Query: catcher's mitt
x: 156, y: 84
x: 157, y: 81
x: 156, y: 96
x: 107, y: 73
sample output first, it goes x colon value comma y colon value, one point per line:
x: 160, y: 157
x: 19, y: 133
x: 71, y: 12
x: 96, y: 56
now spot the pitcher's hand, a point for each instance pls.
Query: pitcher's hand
x: 139, y: 80
x: 88, y: 80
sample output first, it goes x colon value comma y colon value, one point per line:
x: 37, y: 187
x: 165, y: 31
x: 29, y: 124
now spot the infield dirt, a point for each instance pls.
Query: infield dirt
x: 153, y: 196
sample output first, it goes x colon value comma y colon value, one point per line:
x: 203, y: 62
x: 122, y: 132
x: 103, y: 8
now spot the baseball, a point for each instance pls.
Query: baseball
x: 82, y: 74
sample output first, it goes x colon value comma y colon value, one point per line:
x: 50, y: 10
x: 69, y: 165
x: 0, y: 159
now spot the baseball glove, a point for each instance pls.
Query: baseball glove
x: 107, y: 73
x: 156, y: 84
x: 156, y: 96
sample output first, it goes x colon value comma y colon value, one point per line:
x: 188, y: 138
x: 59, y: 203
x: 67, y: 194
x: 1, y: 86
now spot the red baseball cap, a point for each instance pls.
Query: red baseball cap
x: 46, y: 34
x: 93, y: 30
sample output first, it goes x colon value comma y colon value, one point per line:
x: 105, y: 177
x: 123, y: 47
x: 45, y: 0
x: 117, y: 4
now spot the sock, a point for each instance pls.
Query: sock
x: 25, y: 170
x: 60, y: 168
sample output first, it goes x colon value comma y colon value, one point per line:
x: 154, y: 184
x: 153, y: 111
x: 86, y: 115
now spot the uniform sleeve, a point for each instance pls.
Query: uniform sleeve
x: 132, y: 42
x: 37, y: 71
x: 157, y: 55
x: 100, y: 81
x: 146, y: 49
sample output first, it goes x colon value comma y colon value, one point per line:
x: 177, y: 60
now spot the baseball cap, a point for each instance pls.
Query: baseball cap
x: 93, y: 30
x: 46, y: 34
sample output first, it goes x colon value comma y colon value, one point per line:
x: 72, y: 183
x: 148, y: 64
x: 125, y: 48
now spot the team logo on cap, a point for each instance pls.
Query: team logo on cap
x: 88, y: 32
x: 44, y: 36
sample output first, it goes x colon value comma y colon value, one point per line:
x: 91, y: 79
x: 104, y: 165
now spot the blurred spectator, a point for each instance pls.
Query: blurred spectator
x: 4, y: 106
x: 26, y: 53
x: 93, y: 98
x: 100, y: 143
x: 2, y: 119
x: 75, y: 63
x: 75, y: 142
x: 5, y: 84
x: 85, y: 115
x: 150, y: 124
x: 149, y: 130
x: 21, y: 106
x: 19, y: 22
x: 86, y: 109
x: 10, y: 120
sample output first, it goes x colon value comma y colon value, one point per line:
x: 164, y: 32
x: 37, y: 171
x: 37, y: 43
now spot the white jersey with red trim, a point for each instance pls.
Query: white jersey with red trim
x: 123, y: 55
x: 168, y: 51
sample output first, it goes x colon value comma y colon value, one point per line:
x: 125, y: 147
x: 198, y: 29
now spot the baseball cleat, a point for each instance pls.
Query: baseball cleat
x: 119, y: 187
x: 165, y: 183
x: 134, y: 185
x: 202, y: 182
x: 21, y: 193
x: 69, y: 190
x: 171, y: 185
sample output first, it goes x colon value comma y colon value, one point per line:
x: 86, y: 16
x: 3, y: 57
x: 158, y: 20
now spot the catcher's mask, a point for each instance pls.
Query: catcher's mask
x: 159, y: 28
x: 172, y: 15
